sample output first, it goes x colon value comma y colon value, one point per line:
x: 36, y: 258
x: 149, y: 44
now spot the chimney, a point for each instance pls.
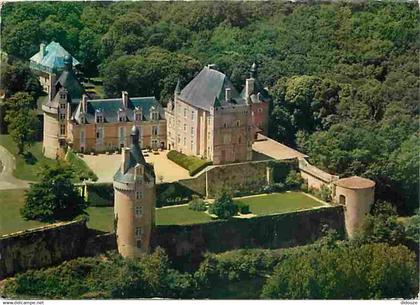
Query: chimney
x: 84, y: 103
x: 125, y: 98
x: 125, y: 153
x: 228, y: 95
x: 249, y: 88
x: 42, y: 50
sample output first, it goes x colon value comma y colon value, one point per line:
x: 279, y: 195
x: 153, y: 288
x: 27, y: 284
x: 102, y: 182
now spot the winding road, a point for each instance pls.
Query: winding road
x: 7, y: 165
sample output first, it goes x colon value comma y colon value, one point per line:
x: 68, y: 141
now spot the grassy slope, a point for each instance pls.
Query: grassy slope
x: 26, y: 169
x: 10, y: 220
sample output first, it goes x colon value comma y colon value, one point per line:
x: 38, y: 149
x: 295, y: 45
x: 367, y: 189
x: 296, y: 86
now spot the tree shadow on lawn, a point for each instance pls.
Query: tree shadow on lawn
x: 29, y: 158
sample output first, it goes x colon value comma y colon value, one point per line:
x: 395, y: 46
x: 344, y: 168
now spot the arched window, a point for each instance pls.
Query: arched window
x: 342, y: 199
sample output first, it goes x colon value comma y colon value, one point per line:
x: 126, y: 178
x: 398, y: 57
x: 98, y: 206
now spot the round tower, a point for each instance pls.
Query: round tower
x: 55, y: 124
x: 356, y: 194
x: 134, y: 200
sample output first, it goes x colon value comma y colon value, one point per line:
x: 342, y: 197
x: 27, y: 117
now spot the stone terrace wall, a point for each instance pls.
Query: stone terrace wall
x: 315, y: 177
x: 50, y: 245
x: 186, y: 245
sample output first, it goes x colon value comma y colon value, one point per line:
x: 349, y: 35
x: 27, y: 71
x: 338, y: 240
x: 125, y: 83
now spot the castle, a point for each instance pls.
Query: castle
x: 207, y: 118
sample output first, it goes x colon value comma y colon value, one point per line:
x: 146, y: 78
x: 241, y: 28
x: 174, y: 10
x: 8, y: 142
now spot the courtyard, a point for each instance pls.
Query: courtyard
x: 102, y: 218
x: 165, y: 169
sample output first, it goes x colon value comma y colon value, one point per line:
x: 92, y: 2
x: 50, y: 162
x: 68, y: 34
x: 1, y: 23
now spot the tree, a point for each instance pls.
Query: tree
x: 223, y: 206
x: 23, y: 123
x: 346, y: 271
x: 54, y: 197
x: 17, y: 77
x: 382, y: 225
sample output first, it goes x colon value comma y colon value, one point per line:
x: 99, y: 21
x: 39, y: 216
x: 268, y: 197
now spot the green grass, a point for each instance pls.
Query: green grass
x: 180, y: 215
x: 279, y: 203
x: 190, y: 163
x: 80, y: 166
x: 101, y: 218
x: 26, y: 167
x: 11, y: 201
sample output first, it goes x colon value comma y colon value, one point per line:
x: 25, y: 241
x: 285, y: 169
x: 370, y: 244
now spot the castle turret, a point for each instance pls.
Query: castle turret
x: 356, y: 194
x: 134, y: 200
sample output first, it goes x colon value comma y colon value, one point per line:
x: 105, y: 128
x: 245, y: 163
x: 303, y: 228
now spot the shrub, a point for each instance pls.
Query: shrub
x: 325, y: 193
x: 197, y: 204
x: 190, y: 163
x: 224, y: 207
x: 243, y: 207
x: 294, y: 180
x: 274, y: 187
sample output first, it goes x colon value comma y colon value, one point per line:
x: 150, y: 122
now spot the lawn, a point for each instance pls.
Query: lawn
x: 26, y: 167
x: 11, y: 201
x: 10, y: 220
x: 180, y: 215
x: 279, y: 203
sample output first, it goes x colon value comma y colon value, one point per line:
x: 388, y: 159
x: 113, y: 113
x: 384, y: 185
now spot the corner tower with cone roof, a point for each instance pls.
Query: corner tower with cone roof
x: 134, y: 200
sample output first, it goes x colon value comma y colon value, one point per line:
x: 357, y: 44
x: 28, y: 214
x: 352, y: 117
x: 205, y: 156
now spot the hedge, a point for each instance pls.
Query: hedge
x: 100, y: 194
x: 190, y: 163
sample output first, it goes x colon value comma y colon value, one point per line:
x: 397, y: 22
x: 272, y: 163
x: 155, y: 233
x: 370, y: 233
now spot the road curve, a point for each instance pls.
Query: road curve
x: 7, y: 180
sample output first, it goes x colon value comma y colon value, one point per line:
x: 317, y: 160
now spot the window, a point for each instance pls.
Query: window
x: 82, y: 137
x: 62, y: 129
x: 225, y: 125
x: 154, y: 130
x: 238, y: 123
x: 138, y: 243
x: 138, y: 211
x: 139, y: 231
x: 63, y: 96
x: 192, y: 115
x: 62, y: 116
x: 185, y: 141
x: 138, y: 116
x: 63, y: 105
x: 185, y: 112
x: 342, y: 199
x: 239, y: 140
x: 260, y: 110
x: 155, y: 115
x: 139, y: 195
x: 192, y: 130
x: 226, y: 138
x: 185, y: 127
x: 99, y: 119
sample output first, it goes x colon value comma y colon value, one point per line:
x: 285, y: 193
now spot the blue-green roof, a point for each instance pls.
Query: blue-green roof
x: 53, y: 59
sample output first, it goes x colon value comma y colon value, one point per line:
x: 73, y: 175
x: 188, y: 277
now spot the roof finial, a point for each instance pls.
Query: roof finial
x: 254, y: 70
x: 135, y: 135
x: 178, y: 87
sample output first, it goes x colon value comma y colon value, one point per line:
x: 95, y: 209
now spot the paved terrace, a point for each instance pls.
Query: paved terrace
x: 105, y: 166
x: 265, y: 148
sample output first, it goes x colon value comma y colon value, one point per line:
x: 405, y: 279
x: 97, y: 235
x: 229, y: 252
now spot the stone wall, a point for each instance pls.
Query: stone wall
x: 314, y: 176
x: 50, y: 245
x: 186, y: 245
x: 238, y: 176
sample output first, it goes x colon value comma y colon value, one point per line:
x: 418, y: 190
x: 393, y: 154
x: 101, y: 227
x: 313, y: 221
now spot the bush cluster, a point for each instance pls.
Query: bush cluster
x: 190, y: 163
x: 197, y: 204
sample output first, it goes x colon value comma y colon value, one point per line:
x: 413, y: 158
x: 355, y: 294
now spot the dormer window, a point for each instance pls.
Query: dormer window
x: 62, y: 95
x: 155, y: 115
x: 82, y: 119
x: 121, y: 115
x: 62, y: 105
x: 99, y: 118
x: 138, y: 114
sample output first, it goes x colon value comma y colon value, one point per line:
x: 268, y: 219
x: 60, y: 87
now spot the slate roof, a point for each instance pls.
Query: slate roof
x: 135, y: 157
x: 69, y: 81
x: 258, y: 88
x: 110, y: 108
x: 207, y: 87
x: 53, y: 59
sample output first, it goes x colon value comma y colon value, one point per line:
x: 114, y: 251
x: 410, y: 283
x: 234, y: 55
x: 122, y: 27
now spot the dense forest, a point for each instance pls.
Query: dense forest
x: 344, y: 77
